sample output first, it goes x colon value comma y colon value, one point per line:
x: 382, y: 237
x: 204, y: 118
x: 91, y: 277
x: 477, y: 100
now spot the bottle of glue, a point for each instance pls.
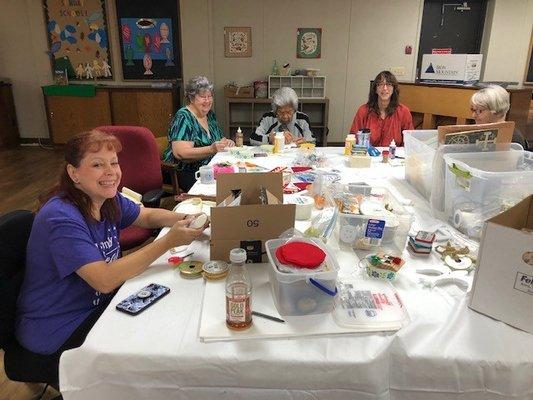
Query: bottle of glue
x: 392, y: 150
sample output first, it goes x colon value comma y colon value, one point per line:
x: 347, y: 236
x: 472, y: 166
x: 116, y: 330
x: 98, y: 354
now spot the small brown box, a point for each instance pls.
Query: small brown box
x: 238, y: 91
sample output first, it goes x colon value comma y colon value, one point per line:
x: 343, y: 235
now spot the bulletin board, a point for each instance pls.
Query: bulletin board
x: 77, y: 38
x: 149, y: 39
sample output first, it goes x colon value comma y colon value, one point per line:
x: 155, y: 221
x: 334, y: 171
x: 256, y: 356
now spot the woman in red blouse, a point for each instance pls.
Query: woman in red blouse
x: 383, y: 114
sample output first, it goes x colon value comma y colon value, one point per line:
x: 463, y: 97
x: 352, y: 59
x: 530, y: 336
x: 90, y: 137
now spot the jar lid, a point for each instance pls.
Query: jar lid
x: 237, y: 255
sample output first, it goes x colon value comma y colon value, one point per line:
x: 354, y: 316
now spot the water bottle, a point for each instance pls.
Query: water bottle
x: 238, y: 292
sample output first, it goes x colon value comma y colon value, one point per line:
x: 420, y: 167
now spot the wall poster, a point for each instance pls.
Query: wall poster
x: 149, y: 39
x: 77, y: 38
x: 308, y: 42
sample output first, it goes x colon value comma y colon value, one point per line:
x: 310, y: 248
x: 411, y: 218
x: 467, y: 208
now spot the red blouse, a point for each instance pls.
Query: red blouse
x: 382, y: 131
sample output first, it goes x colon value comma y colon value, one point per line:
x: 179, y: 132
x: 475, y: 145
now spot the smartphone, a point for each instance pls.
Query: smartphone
x: 144, y: 298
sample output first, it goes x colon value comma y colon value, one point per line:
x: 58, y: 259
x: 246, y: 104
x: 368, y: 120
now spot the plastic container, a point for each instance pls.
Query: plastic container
x: 298, y: 294
x: 369, y: 303
x: 420, y: 147
x: 481, y: 185
x: 353, y: 227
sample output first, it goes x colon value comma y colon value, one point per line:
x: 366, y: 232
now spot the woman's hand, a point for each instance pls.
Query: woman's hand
x: 228, y: 142
x: 180, y: 233
x: 191, y: 217
x: 217, y: 146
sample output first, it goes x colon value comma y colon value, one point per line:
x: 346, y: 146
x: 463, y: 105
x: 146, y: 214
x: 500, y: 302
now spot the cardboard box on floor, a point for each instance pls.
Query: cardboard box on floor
x: 503, y: 285
x: 251, y: 224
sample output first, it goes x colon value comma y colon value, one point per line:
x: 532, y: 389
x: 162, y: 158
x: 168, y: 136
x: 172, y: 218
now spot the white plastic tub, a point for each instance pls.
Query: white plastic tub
x: 420, y: 147
x: 297, y: 293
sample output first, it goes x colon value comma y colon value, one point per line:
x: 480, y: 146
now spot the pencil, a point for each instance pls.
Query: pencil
x: 270, y: 317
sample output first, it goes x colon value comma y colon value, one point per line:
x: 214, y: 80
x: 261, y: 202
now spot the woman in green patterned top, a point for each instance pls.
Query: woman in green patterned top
x: 194, y: 135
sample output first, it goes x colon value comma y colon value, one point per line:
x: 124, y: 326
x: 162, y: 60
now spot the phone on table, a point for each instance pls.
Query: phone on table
x: 144, y: 298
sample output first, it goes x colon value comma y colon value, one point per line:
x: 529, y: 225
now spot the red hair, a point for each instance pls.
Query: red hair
x: 75, y: 150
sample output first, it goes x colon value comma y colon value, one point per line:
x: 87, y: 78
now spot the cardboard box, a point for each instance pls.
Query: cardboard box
x: 238, y: 91
x: 250, y: 224
x: 451, y: 68
x: 503, y: 285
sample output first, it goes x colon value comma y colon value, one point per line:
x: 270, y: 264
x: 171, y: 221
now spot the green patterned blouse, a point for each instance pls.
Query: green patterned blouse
x: 186, y: 127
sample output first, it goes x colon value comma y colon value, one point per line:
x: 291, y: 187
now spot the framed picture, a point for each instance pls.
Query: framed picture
x: 77, y: 39
x: 308, y: 42
x: 237, y: 42
x: 149, y: 39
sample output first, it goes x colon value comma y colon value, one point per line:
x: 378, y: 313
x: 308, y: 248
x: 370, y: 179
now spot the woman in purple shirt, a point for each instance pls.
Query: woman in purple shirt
x: 73, y: 257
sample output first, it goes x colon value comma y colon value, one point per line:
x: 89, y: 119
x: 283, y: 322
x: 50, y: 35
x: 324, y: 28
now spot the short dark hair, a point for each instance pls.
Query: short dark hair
x: 372, y: 103
x: 75, y: 150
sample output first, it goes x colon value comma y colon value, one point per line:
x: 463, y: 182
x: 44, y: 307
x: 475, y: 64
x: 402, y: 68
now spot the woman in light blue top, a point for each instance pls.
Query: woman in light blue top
x: 194, y: 135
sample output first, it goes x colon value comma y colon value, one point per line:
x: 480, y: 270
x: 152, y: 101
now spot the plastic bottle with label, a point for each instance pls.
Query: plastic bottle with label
x: 238, y: 292
x: 279, y: 142
x: 348, y: 144
x: 239, y: 138
x: 275, y: 68
x: 392, y: 149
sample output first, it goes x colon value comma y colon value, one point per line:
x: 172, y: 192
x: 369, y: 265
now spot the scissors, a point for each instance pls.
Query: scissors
x: 176, y: 260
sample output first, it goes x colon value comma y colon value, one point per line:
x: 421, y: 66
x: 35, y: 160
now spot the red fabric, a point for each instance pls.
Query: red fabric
x: 139, y: 158
x: 382, y: 131
x: 300, y: 254
x: 133, y: 236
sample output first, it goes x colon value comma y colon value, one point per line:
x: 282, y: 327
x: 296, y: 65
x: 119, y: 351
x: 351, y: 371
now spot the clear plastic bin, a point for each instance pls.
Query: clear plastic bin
x: 298, y: 293
x: 420, y: 147
x: 353, y: 227
x: 479, y: 186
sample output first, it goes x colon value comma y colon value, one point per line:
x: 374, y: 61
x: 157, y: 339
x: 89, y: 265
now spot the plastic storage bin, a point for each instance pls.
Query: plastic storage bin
x: 294, y: 293
x: 420, y: 147
x: 353, y: 227
x: 479, y: 186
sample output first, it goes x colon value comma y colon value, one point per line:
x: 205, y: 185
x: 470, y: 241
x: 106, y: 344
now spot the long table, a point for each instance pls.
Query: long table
x: 447, y: 351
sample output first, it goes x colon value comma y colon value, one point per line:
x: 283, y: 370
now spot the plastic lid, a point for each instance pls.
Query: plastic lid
x: 237, y: 255
x: 350, y: 136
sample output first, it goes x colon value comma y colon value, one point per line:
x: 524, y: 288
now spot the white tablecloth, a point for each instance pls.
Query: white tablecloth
x: 447, y: 351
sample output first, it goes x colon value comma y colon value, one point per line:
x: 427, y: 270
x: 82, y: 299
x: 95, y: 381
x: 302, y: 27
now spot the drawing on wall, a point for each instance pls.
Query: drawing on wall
x: 308, y: 42
x: 237, y: 42
x: 149, y: 39
x: 77, y: 38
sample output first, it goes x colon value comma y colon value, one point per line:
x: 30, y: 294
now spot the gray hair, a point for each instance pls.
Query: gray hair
x: 284, y: 96
x: 195, y: 86
x: 494, y: 98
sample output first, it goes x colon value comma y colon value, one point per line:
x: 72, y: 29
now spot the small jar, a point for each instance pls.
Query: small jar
x: 385, y: 156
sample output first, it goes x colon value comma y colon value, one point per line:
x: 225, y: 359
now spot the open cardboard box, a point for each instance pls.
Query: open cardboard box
x: 250, y: 224
x: 503, y: 285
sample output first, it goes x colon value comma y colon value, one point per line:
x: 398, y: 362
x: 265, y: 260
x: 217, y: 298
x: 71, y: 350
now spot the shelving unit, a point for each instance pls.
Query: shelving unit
x: 306, y: 87
x: 247, y: 112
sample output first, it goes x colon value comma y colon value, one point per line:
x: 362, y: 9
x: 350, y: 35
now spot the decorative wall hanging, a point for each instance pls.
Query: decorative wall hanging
x: 237, y: 42
x: 77, y: 38
x: 149, y: 39
x: 308, y: 42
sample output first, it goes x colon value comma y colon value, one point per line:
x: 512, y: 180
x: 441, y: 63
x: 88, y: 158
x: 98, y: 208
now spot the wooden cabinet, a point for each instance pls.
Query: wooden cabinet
x: 111, y: 105
x: 432, y: 101
x: 247, y: 112
x: 9, y: 132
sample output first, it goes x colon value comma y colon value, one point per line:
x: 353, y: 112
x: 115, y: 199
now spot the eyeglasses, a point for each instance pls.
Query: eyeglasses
x: 205, y: 96
x: 477, y: 111
x: 384, y: 84
x: 286, y: 112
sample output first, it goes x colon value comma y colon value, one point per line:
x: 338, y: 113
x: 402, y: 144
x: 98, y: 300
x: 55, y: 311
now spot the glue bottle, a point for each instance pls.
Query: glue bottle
x: 279, y: 142
x: 238, y: 292
x: 348, y: 144
x: 392, y: 149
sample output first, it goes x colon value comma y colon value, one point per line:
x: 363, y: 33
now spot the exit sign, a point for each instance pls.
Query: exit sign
x: 446, y: 50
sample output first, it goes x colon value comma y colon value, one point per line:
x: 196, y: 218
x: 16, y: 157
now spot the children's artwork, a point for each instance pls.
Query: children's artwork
x: 149, y: 39
x: 308, y: 42
x: 77, y: 38
x: 237, y: 42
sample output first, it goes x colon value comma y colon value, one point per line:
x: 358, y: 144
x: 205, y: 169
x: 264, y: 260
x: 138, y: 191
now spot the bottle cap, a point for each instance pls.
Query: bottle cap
x: 393, y: 143
x: 237, y: 255
x: 350, y: 136
x: 239, y: 130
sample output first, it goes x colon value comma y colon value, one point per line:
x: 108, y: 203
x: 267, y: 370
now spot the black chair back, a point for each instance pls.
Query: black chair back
x: 15, y: 228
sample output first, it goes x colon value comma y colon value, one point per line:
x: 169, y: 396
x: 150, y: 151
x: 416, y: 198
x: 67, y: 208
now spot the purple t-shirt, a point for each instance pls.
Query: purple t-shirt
x: 54, y: 300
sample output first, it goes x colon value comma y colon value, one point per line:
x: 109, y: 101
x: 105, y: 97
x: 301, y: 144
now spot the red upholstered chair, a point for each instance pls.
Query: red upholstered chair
x: 141, y: 172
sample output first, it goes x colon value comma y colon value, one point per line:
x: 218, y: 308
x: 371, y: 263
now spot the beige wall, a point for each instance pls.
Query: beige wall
x: 360, y: 38
x: 506, y: 50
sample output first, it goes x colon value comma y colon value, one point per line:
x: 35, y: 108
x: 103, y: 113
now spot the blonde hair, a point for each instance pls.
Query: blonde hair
x: 494, y: 98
